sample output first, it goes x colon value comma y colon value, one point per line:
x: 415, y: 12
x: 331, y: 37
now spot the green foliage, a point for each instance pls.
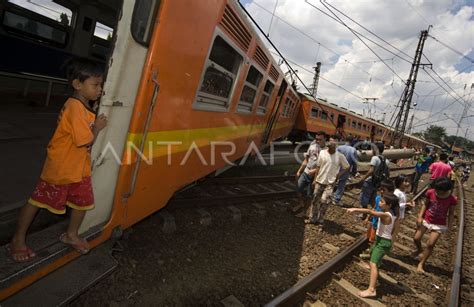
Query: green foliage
x: 435, y: 134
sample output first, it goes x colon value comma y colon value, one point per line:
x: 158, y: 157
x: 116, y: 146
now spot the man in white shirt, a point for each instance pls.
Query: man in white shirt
x: 305, y: 174
x: 330, y: 165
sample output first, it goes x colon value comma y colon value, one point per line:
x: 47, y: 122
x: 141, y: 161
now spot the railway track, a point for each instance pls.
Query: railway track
x: 337, y: 282
x: 259, y: 256
x: 217, y: 191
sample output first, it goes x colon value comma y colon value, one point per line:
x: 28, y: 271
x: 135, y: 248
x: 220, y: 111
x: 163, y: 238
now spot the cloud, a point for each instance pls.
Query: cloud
x: 305, y: 36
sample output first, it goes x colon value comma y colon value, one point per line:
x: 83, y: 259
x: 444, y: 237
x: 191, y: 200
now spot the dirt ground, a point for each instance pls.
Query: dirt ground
x: 254, y: 260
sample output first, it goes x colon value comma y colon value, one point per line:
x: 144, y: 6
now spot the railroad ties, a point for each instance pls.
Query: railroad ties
x: 346, y: 273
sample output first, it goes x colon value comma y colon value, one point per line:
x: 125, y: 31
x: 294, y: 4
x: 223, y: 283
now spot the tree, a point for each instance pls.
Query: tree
x: 435, y: 134
x: 63, y: 19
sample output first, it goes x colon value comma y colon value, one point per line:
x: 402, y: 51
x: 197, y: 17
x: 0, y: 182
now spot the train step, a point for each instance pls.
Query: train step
x: 48, y: 249
x: 9, y: 216
x: 73, y: 278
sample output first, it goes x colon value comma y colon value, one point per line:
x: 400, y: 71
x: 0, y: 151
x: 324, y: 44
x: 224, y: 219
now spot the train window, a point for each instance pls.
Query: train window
x: 292, y: 109
x: 267, y: 92
x: 48, y: 9
x: 286, y: 107
x: 359, y: 126
x: 143, y: 20
x: 324, y: 115
x: 220, y: 74
x: 247, y: 98
x: 38, y: 22
x: 102, y: 31
x: 314, y: 112
x: 332, y: 117
x: 364, y: 127
x: 353, y: 123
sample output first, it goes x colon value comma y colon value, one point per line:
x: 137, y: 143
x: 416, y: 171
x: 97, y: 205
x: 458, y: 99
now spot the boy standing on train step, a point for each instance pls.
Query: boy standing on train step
x: 330, y: 166
x: 66, y: 176
x: 305, y: 174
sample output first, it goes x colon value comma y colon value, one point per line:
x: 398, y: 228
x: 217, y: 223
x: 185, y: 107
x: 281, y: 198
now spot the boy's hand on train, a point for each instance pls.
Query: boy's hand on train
x: 351, y: 210
x: 419, y: 221
x: 100, y: 122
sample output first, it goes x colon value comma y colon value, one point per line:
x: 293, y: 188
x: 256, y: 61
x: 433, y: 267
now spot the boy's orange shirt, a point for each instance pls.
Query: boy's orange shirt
x: 68, y: 159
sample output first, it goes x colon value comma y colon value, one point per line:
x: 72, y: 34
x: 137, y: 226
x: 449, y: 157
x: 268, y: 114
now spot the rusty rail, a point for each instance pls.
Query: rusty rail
x: 293, y: 295
x: 456, y: 279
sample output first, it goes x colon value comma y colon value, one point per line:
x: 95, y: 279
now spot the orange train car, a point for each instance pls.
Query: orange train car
x: 189, y: 87
x: 315, y: 116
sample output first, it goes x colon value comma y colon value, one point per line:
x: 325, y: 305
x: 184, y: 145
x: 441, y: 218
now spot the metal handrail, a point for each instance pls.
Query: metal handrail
x: 35, y: 77
x: 456, y: 279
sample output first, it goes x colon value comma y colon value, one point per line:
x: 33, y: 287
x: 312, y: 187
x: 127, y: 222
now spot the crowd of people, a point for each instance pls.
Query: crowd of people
x: 384, y: 203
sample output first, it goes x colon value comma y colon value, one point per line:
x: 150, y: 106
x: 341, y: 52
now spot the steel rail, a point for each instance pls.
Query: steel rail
x: 457, y: 271
x: 293, y: 295
x: 217, y: 200
x: 276, y: 178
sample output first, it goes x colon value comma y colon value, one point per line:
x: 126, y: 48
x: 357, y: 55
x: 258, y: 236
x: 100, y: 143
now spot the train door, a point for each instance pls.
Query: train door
x: 372, y: 133
x: 341, y: 119
x: 116, y: 33
x: 33, y: 85
x: 274, y: 112
x: 32, y: 95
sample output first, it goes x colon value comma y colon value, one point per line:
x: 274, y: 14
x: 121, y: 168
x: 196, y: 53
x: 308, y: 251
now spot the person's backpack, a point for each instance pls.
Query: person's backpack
x: 381, y: 172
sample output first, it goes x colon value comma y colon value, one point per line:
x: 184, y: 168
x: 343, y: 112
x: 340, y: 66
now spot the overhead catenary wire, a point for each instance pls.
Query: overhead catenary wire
x: 338, y: 20
x: 458, y: 99
x: 323, y: 108
x: 310, y: 71
x: 452, y: 49
x: 356, y: 34
x: 310, y: 37
x: 394, y: 47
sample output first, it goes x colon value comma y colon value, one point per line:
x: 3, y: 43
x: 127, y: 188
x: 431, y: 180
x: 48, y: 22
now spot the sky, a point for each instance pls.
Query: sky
x: 351, y: 71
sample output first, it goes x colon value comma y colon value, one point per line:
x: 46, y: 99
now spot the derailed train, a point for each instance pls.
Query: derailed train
x: 189, y: 87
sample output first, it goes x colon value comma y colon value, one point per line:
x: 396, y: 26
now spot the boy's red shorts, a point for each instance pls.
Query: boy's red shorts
x: 55, y: 197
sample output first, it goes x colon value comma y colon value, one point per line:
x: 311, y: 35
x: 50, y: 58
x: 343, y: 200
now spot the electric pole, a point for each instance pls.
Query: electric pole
x: 407, y: 95
x: 411, y: 123
x: 314, y: 88
x: 369, y: 113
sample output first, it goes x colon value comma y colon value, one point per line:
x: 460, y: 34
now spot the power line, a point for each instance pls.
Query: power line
x: 323, y: 108
x: 400, y: 51
x: 311, y: 38
x: 310, y: 71
x: 338, y: 20
x: 453, y: 50
x: 356, y: 34
x: 456, y: 99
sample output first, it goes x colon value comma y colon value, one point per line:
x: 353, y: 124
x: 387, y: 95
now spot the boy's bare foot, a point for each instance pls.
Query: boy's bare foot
x: 367, y: 293
x: 420, y: 269
x: 79, y: 244
x: 19, y: 252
